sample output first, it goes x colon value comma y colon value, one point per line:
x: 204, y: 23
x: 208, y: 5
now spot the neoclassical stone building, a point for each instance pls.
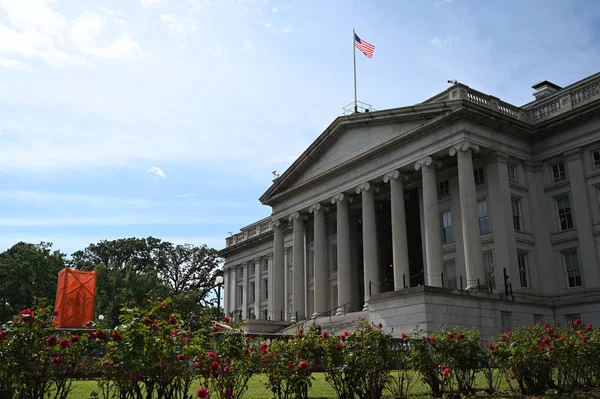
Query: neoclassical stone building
x: 462, y: 209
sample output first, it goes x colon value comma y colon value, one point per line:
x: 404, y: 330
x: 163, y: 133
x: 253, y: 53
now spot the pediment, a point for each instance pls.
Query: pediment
x: 349, y: 137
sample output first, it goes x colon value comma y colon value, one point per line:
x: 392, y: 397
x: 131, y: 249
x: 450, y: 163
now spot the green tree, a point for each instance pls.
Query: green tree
x: 141, y: 268
x: 27, y: 272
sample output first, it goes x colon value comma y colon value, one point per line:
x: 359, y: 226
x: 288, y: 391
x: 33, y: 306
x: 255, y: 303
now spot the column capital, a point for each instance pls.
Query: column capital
x: 277, y: 223
x: 365, y: 187
x: 316, y: 208
x: 463, y: 147
x: 394, y: 175
x: 336, y: 199
x: 426, y: 162
x: 295, y: 216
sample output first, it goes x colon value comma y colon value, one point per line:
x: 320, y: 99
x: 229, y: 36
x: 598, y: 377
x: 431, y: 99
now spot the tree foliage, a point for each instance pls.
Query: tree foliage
x: 27, y: 272
x: 141, y: 268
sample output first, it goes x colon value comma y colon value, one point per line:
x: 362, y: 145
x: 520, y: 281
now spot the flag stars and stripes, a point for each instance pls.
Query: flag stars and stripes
x: 366, y: 48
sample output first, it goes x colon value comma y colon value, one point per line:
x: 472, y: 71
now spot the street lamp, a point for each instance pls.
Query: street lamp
x: 219, y: 281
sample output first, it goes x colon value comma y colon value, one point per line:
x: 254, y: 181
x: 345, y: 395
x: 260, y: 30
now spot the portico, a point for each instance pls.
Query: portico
x: 367, y: 200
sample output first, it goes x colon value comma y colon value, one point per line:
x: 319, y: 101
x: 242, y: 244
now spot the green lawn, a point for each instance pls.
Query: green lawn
x: 257, y: 390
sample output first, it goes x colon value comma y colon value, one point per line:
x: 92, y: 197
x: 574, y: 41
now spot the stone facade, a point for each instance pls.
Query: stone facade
x: 416, y: 215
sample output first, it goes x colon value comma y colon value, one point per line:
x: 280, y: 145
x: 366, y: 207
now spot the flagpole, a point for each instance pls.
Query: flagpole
x: 354, y: 47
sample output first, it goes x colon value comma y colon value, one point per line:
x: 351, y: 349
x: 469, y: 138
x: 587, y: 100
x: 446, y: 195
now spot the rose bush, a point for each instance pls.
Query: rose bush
x: 36, y: 360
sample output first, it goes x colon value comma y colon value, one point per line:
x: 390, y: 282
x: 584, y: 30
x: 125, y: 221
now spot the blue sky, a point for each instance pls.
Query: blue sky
x: 166, y: 117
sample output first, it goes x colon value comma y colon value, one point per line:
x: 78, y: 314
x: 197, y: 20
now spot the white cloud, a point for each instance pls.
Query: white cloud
x: 443, y: 41
x: 151, y: 3
x: 157, y: 171
x: 178, y: 27
x: 88, y: 34
x: 275, y: 10
x: 14, y: 64
x: 247, y: 46
x: 32, y: 29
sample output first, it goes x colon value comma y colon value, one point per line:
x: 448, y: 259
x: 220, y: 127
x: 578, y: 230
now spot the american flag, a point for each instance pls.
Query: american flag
x: 362, y: 45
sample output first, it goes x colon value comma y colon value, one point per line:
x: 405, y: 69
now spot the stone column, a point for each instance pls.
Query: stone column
x: 320, y: 248
x: 245, y: 296
x: 583, y: 222
x: 470, y: 217
x: 276, y: 273
x: 227, y: 274
x: 370, y: 250
x: 344, y: 273
x: 299, y: 288
x: 258, y: 289
x: 433, y: 229
x: 399, y: 244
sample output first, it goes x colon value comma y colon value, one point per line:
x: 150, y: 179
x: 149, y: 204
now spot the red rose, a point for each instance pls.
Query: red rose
x: 52, y: 341
x: 181, y: 357
x: 446, y: 371
x: 300, y: 334
x: 324, y: 335
x: 291, y: 364
x: 226, y: 319
x: 65, y: 343
x: 116, y: 336
x: 26, y: 315
x: 461, y: 336
x: 577, y: 322
x: 583, y: 339
x: 303, y: 366
x: 3, y: 335
x: 196, y: 365
x: 214, y: 365
x: 212, y: 355
x: 75, y: 338
x: 404, y: 336
x: 57, y: 360
x: 138, y: 377
x: 338, y: 346
x: 380, y: 325
x: 202, y: 393
x: 172, y: 320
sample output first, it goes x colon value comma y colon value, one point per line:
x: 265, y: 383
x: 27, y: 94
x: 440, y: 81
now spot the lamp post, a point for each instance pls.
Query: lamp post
x: 219, y: 281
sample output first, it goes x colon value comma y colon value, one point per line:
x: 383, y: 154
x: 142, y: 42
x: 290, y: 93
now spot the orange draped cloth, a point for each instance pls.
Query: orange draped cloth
x: 75, y: 298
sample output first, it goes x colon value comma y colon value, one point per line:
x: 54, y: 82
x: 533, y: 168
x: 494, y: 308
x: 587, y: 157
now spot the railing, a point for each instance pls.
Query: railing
x: 360, y: 108
x: 250, y: 232
x: 585, y: 93
x: 477, y: 97
x: 298, y: 324
x: 566, y: 100
x: 546, y: 109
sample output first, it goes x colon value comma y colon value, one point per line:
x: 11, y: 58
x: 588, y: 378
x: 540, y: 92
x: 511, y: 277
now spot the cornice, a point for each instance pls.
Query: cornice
x: 248, y: 242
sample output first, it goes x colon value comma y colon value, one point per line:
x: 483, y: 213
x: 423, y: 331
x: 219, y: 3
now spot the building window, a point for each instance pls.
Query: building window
x: 265, y: 264
x: 484, y: 224
x: 290, y: 256
x: 447, y: 227
x: 240, y: 294
x: 251, y: 314
x: 239, y: 272
x: 517, y: 215
x: 331, y: 227
x: 512, y: 174
x: 558, y: 172
x: 506, y: 318
x: 523, y: 270
x: 479, y: 176
x: 565, y: 218
x: 311, y: 262
x: 252, y: 269
x: 443, y: 189
x: 572, y: 267
x: 450, y: 274
x: 596, y: 159
x: 252, y: 293
x: 488, y: 269
x: 265, y: 283
x: 570, y: 318
x: 333, y: 258
x: 310, y: 232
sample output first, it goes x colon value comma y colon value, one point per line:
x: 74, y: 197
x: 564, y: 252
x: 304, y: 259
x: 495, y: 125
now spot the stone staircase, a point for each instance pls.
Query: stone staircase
x: 335, y: 325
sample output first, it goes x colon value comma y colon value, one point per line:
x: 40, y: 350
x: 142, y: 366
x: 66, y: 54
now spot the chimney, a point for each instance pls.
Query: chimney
x: 544, y: 88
